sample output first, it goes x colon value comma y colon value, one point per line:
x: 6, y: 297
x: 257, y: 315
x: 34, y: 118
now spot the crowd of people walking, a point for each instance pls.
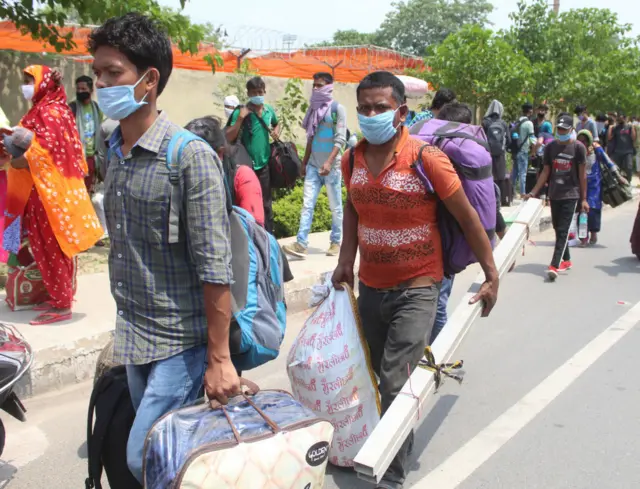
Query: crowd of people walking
x: 80, y: 172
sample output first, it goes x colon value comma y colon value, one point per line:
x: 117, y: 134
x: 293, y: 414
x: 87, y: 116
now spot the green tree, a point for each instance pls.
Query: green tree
x: 479, y: 66
x: 350, y: 37
x: 580, y: 56
x: 414, y: 25
x: 291, y: 109
x: 235, y: 84
x: 45, y: 23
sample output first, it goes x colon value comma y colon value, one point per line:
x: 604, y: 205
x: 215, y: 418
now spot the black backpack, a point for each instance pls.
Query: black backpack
x: 516, y: 144
x: 496, y: 136
x: 107, y: 438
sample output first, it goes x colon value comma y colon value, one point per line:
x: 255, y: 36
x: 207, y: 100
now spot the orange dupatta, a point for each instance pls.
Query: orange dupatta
x: 56, y: 168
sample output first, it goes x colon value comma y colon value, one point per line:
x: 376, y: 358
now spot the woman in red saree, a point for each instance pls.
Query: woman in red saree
x: 46, y: 197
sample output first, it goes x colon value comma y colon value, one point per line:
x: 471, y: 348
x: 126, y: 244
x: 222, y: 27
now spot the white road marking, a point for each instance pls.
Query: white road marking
x: 24, y: 446
x: 465, y: 461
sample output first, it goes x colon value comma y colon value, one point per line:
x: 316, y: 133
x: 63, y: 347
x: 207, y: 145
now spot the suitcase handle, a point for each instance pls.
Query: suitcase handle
x: 273, y: 426
x: 251, y: 389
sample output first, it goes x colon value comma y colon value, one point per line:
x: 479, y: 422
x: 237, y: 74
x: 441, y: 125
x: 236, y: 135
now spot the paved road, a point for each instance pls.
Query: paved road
x: 550, y: 398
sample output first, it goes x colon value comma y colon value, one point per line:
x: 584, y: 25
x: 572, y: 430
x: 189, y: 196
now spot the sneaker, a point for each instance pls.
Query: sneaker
x: 295, y: 249
x: 565, y: 266
x: 552, y: 273
x: 334, y: 249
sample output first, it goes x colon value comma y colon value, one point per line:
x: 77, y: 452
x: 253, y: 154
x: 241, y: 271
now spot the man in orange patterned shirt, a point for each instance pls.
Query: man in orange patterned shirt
x: 392, y: 221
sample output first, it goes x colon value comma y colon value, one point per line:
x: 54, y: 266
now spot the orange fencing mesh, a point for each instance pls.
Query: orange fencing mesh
x: 348, y: 64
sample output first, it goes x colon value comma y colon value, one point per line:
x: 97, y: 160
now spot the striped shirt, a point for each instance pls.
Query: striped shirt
x: 157, y: 286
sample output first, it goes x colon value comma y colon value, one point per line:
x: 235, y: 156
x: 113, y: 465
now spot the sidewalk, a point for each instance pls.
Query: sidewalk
x: 66, y: 353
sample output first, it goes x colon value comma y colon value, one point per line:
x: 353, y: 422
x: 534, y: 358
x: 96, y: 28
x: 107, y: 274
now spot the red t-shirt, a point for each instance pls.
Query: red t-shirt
x: 248, y: 192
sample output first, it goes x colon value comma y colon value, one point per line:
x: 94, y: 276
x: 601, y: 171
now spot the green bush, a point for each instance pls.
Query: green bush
x: 288, y: 206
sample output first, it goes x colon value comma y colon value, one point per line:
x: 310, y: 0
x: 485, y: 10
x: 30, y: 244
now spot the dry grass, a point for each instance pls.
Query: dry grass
x: 91, y: 261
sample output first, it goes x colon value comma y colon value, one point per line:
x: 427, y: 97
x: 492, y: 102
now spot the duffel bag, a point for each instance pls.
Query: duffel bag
x: 284, y: 165
x: 266, y: 440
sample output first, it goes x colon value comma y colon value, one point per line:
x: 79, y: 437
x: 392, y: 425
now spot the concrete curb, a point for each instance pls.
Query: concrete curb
x: 55, y: 368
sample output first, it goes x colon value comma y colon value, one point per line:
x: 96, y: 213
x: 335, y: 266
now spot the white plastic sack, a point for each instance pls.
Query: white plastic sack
x: 573, y: 232
x: 330, y: 373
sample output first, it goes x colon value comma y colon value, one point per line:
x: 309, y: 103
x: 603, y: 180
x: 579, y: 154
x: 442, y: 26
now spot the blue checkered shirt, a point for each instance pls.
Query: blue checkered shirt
x: 157, y: 286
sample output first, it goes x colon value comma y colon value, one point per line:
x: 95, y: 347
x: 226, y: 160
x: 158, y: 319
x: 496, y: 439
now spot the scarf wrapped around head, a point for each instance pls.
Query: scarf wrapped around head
x: 53, y: 123
x: 586, y: 133
x: 321, y: 100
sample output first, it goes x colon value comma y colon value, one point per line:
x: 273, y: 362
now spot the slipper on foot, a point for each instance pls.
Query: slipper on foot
x: 50, y: 317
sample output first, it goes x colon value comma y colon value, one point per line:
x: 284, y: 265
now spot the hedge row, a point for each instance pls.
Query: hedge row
x: 287, y: 206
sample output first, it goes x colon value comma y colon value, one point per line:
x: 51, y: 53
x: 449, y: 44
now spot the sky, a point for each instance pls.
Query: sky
x: 260, y: 24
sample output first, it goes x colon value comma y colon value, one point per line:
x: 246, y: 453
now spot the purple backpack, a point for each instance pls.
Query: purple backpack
x: 467, y: 148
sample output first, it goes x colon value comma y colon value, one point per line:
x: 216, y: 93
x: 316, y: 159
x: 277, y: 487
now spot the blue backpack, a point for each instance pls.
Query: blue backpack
x: 258, y: 287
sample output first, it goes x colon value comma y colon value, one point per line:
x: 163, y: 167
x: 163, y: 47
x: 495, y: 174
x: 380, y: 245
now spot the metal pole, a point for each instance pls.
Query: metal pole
x: 556, y: 6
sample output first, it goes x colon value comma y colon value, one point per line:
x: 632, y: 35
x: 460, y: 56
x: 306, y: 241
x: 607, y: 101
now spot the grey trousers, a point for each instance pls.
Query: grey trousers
x: 397, y: 325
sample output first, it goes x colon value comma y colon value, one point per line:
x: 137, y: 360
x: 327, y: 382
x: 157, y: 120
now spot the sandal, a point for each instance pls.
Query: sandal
x: 50, y: 317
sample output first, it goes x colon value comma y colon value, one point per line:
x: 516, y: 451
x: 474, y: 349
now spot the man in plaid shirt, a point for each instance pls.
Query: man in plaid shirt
x: 173, y: 298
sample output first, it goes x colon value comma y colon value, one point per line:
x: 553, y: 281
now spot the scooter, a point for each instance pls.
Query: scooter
x: 16, y: 357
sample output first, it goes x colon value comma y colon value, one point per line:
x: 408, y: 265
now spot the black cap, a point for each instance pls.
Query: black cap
x: 565, y: 121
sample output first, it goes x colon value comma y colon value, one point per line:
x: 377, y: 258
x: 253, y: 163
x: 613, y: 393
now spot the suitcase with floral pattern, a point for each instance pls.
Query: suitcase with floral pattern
x: 262, y: 441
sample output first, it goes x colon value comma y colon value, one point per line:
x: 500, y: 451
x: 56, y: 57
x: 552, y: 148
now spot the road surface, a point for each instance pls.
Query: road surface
x: 550, y: 398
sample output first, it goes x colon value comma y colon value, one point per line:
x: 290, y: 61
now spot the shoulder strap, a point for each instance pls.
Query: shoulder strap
x: 177, y: 143
x: 334, y: 112
x: 461, y: 135
x: 418, y: 166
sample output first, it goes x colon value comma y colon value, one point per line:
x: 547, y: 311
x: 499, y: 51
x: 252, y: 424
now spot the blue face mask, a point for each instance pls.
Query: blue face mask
x: 257, y: 100
x: 563, y: 137
x: 378, y: 129
x: 119, y: 102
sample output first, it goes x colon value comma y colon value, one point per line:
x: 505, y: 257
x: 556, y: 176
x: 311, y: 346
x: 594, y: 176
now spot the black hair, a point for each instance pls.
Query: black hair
x: 442, y: 97
x: 580, y: 109
x: 383, y: 79
x: 601, y: 117
x: 209, y: 129
x: 456, y: 112
x: 85, y: 79
x: 324, y: 76
x: 527, y: 107
x: 543, y: 107
x: 140, y: 39
x: 256, y: 83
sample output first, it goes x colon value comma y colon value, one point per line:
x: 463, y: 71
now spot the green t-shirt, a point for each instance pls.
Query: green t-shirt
x: 257, y: 140
x: 89, y: 126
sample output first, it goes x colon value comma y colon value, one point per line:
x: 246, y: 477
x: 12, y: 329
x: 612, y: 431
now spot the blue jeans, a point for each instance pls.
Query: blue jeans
x: 520, y: 171
x: 313, y: 183
x: 158, y: 387
x: 441, y: 314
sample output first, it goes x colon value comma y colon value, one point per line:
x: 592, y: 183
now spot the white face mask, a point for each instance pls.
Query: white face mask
x: 28, y: 91
x: 228, y: 112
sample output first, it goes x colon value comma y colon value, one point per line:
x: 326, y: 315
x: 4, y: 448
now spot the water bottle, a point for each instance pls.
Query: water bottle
x: 583, y: 230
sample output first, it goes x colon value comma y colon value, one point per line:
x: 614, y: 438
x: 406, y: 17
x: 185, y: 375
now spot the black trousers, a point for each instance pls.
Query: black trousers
x: 267, y: 197
x: 625, y: 163
x: 562, y: 212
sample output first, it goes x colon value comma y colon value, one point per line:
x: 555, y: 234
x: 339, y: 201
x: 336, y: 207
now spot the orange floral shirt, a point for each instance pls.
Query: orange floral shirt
x: 398, y: 235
